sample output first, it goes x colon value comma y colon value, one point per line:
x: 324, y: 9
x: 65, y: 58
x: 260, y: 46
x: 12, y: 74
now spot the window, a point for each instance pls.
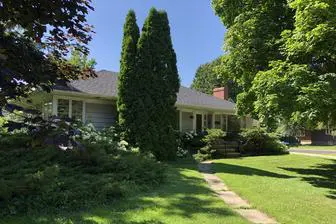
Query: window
x: 77, y: 110
x: 63, y: 108
x: 72, y: 108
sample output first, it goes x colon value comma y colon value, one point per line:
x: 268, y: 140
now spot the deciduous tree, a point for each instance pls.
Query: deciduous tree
x: 35, y: 37
x: 215, y: 74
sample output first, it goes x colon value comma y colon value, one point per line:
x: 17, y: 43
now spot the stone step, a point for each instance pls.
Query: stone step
x: 225, y: 149
x: 233, y: 155
x: 217, y: 146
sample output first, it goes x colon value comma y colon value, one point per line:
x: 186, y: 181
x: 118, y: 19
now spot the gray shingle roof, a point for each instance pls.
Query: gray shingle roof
x: 105, y: 85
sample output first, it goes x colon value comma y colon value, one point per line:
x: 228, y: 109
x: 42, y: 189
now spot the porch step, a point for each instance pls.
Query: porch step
x: 224, y: 146
x: 232, y: 155
x: 225, y: 150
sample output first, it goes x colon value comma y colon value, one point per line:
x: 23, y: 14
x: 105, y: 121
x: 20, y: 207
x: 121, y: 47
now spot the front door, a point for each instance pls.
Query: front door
x: 199, y: 122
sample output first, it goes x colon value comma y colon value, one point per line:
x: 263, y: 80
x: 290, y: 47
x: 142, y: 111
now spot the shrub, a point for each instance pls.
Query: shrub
x: 257, y: 141
x: 107, y: 139
x: 207, y: 152
x: 3, y: 129
x: 49, y: 178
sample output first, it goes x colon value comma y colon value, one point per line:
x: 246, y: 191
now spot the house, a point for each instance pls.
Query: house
x: 318, y: 137
x: 93, y: 101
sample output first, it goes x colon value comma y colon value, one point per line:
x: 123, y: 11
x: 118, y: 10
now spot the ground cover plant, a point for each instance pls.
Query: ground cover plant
x: 98, y: 170
x: 291, y: 188
x: 184, y: 198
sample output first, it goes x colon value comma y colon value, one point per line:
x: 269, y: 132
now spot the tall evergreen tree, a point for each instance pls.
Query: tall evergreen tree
x: 158, y: 84
x: 127, y: 78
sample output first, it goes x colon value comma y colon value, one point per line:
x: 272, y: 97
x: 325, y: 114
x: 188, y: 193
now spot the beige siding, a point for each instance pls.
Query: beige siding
x: 187, y: 121
x: 100, y: 115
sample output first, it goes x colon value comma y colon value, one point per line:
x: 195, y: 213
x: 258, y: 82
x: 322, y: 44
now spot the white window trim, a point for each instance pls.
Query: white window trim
x: 70, y: 98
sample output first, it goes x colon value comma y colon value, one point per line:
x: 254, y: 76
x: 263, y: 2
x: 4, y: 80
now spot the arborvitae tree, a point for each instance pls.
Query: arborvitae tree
x: 158, y: 84
x: 127, y: 78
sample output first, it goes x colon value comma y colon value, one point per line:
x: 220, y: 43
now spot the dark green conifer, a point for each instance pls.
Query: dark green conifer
x: 127, y: 78
x: 158, y: 84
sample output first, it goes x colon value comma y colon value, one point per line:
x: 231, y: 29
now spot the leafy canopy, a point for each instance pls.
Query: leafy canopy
x: 211, y: 75
x: 35, y: 37
x: 283, y: 55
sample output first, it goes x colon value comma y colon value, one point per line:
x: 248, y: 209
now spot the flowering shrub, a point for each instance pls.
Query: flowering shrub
x: 106, y: 139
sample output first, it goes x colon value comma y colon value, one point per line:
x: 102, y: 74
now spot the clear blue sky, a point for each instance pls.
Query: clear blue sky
x: 196, y: 31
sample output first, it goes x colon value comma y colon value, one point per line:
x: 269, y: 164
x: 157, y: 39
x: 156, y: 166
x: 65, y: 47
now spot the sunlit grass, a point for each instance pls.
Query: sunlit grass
x: 291, y: 188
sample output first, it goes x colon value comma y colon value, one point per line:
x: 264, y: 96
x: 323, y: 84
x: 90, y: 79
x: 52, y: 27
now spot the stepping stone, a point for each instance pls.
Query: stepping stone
x: 205, y: 167
x: 239, y: 205
x: 215, y: 183
x: 232, y: 199
x: 255, y: 216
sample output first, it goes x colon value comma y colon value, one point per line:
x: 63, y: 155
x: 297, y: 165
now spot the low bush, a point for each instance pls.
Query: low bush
x: 55, y: 180
x: 207, y: 152
x: 188, y: 143
x: 257, y: 141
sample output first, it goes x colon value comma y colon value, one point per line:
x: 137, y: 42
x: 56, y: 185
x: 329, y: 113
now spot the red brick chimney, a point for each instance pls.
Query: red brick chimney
x: 221, y: 93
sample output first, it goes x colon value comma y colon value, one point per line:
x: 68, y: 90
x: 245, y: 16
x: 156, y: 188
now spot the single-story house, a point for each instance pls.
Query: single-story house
x: 318, y: 137
x: 93, y: 101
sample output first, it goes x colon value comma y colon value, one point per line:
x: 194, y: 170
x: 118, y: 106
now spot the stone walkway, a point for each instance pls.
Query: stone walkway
x: 238, y: 204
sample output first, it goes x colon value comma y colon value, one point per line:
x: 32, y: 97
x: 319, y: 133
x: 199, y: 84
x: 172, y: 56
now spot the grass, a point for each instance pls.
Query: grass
x: 316, y: 147
x: 291, y: 188
x: 185, y: 198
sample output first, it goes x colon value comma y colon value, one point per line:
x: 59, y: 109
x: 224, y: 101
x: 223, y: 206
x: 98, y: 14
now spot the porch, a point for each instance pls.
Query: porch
x: 198, y: 120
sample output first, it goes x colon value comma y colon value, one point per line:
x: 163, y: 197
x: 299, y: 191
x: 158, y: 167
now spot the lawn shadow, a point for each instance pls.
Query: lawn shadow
x: 182, y: 196
x: 246, y: 171
x: 320, y: 175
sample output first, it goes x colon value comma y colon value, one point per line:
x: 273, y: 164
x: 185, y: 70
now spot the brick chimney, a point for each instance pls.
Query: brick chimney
x: 221, y: 93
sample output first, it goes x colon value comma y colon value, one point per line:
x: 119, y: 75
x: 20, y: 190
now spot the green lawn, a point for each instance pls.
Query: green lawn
x: 185, y: 198
x: 316, y: 147
x: 291, y: 188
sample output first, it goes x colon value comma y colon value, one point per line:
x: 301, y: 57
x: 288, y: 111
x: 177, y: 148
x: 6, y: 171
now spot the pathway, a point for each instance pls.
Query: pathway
x: 238, y: 204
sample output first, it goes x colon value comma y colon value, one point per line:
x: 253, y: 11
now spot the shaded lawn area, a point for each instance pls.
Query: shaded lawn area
x: 185, y: 198
x: 291, y: 188
x: 315, y: 147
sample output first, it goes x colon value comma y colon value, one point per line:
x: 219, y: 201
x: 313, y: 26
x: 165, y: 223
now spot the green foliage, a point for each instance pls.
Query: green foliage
x: 106, y: 139
x: 33, y: 45
x: 212, y: 137
x: 206, y: 78
x: 81, y: 60
x: 190, y: 141
x: 212, y: 75
x: 281, y: 53
x: 308, y: 74
x: 12, y: 141
x: 127, y: 85
x: 157, y: 86
x: 3, y: 129
x: 257, y: 141
x: 48, y: 179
